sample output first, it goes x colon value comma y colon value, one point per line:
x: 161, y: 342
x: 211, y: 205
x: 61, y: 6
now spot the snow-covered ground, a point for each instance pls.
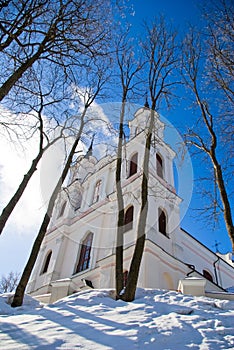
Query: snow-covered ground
x: 91, y: 319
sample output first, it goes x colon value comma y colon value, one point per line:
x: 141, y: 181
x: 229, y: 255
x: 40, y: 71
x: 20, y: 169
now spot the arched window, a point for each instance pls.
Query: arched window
x: 207, y: 275
x: 159, y: 165
x: 62, y: 209
x: 85, y: 252
x: 46, y: 262
x: 133, y: 165
x: 128, y: 219
x: 96, y: 194
x: 162, y: 221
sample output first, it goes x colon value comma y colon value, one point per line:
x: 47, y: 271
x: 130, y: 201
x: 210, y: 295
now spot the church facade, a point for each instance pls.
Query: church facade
x: 78, y: 250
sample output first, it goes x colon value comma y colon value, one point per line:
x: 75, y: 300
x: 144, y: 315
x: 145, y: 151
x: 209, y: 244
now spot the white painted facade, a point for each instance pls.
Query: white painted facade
x: 89, y: 205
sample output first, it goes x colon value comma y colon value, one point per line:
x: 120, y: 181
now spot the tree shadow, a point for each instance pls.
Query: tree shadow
x: 93, y: 328
x: 21, y: 336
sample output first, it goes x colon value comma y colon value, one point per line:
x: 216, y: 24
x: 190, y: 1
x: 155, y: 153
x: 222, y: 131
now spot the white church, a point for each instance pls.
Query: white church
x: 78, y: 250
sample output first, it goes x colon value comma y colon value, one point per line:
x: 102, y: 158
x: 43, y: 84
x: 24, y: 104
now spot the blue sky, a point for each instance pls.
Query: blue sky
x: 16, y: 240
x: 181, y: 13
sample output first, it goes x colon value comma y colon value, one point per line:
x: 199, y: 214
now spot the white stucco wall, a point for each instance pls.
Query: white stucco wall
x: 165, y: 257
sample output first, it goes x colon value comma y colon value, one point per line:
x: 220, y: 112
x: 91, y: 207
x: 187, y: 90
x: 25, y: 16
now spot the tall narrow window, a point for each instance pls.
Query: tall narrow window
x: 85, y: 252
x: 46, y: 262
x: 159, y: 165
x: 96, y: 194
x: 128, y: 219
x: 162, y: 222
x: 133, y: 165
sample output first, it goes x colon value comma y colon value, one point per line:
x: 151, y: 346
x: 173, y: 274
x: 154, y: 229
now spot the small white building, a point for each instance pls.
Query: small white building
x: 79, y: 247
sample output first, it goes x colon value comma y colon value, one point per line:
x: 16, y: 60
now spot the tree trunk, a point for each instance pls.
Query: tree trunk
x: 20, y: 290
x: 7, y: 86
x: 16, y: 197
x: 217, y: 169
x: 19, y: 293
x: 129, y: 293
x: 224, y: 199
x: 120, y: 225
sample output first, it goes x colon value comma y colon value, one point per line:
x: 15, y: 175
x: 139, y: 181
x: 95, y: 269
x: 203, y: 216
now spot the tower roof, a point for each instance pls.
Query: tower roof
x: 90, y: 150
x: 146, y: 105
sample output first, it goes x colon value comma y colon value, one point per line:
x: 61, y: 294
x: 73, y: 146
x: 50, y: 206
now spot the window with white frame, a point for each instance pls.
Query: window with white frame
x: 128, y: 219
x: 85, y: 253
x: 46, y: 262
x: 159, y: 165
x: 162, y: 221
x: 97, y: 190
x: 133, y: 164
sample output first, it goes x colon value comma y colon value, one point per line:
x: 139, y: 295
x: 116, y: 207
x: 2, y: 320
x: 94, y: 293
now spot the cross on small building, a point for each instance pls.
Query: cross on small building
x: 216, y: 245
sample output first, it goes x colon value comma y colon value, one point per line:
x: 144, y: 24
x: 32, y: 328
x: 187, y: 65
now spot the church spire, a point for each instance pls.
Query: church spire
x: 146, y: 105
x: 90, y: 150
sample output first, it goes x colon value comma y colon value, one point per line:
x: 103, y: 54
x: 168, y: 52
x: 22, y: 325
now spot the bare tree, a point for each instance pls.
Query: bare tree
x: 50, y: 31
x: 9, y: 282
x: 160, y: 50
x: 38, y: 101
x: 128, y: 68
x: 47, y: 36
x: 90, y: 95
x: 220, y: 36
x: 207, y: 137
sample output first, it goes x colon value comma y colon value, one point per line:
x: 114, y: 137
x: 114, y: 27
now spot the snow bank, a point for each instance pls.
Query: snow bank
x: 93, y: 320
x: 29, y: 304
